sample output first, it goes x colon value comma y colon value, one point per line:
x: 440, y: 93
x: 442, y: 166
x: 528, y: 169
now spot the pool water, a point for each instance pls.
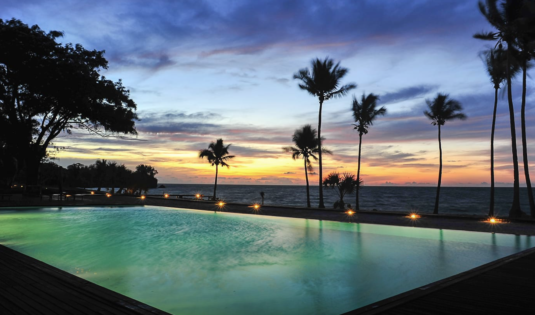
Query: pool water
x: 197, y: 262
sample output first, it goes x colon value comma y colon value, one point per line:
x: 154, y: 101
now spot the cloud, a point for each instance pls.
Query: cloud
x: 406, y: 94
x: 185, y: 33
x: 288, y: 173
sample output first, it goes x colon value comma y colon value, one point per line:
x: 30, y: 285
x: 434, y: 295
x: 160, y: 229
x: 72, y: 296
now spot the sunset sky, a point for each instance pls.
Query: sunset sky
x: 202, y: 70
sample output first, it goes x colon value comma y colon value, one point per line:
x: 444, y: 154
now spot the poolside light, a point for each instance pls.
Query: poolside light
x: 166, y: 195
x: 350, y: 212
x: 142, y: 197
x: 92, y: 193
x: 108, y: 195
x: 198, y: 196
x: 414, y: 216
x: 493, y: 220
x: 221, y: 204
x: 255, y: 207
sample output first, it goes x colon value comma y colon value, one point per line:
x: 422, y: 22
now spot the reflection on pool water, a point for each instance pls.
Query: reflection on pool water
x: 198, y: 262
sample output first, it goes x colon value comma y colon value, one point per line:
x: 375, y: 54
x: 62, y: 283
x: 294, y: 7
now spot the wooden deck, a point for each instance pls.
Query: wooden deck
x: 29, y: 286
x: 505, y: 286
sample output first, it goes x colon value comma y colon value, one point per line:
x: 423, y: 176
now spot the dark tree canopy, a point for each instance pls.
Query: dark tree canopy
x: 47, y: 88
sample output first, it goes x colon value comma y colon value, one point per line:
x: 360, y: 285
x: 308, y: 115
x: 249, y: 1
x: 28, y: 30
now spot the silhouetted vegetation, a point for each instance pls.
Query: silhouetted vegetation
x: 364, y: 113
x: 306, y: 147
x: 514, y: 21
x: 47, y: 88
x: 496, y: 63
x: 101, y: 174
x: 442, y: 109
x: 324, y: 83
x: 344, y: 184
x: 216, y: 154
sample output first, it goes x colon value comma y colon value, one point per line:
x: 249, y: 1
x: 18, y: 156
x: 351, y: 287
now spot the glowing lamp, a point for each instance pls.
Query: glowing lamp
x: 108, y: 195
x: 414, y: 216
x: 92, y: 193
x: 198, y: 196
x: 493, y: 220
x: 350, y: 212
x: 166, y: 195
x: 142, y: 197
x: 221, y: 204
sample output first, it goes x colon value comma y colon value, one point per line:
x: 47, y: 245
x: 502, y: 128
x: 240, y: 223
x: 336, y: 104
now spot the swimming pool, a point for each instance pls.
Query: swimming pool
x: 198, y: 262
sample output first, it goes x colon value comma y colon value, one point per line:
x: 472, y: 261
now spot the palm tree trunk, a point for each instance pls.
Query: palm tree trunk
x: 491, y: 207
x: 437, y: 198
x: 308, y: 191
x: 321, y: 205
x: 215, y: 185
x: 525, y: 142
x: 357, y: 206
x: 515, y: 207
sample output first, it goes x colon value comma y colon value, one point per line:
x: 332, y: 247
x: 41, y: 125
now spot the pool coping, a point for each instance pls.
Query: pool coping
x: 411, y: 295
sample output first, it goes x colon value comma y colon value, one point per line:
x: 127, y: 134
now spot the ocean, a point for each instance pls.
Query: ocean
x: 453, y: 200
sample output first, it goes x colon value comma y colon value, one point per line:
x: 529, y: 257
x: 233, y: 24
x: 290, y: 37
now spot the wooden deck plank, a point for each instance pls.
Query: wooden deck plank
x: 505, y: 286
x: 57, y: 296
x: 29, y: 286
x: 74, y: 284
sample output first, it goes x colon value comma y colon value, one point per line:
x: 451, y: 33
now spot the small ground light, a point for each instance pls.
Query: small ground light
x: 198, y: 196
x: 92, y: 193
x: 414, y: 216
x: 220, y: 203
x: 350, y: 212
x: 493, y: 220
x: 166, y: 195
x: 143, y: 197
x: 108, y: 195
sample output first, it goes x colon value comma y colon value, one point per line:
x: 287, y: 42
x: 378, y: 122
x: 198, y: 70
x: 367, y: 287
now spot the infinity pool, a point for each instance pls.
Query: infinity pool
x: 197, y: 262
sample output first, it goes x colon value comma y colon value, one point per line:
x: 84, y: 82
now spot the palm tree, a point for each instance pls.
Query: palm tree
x: 216, y: 154
x: 496, y: 63
x: 344, y: 183
x: 364, y: 113
x: 442, y: 109
x: 503, y: 19
x: 306, y: 146
x: 525, y: 25
x: 323, y: 82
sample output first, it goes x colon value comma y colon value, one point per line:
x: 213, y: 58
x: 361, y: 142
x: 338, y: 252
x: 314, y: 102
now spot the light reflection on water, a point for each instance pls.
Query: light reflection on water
x: 196, y: 262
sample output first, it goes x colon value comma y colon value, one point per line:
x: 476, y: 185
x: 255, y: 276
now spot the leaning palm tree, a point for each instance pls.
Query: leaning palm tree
x: 323, y: 82
x: 496, y: 62
x: 216, y: 154
x: 306, y: 146
x: 504, y: 19
x: 442, y: 109
x: 365, y: 113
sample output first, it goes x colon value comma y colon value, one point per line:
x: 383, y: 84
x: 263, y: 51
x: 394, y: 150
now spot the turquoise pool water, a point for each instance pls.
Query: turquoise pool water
x: 198, y: 262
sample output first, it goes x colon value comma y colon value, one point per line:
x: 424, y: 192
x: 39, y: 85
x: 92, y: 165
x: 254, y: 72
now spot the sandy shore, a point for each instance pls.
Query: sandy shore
x: 444, y: 221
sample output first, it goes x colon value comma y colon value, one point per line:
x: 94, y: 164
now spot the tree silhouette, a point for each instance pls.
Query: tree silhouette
x: 216, y: 154
x: 525, y: 42
x: 504, y: 19
x: 47, y: 88
x: 344, y: 183
x: 324, y: 83
x: 496, y: 62
x: 442, y: 109
x: 364, y: 113
x: 306, y: 146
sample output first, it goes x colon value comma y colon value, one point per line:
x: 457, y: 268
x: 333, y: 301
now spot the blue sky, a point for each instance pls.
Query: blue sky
x: 201, y: 70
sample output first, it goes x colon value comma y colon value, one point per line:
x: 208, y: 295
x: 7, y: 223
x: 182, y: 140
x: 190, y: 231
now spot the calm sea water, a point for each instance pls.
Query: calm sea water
x: 201, y: 262
x: 454, y: 200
